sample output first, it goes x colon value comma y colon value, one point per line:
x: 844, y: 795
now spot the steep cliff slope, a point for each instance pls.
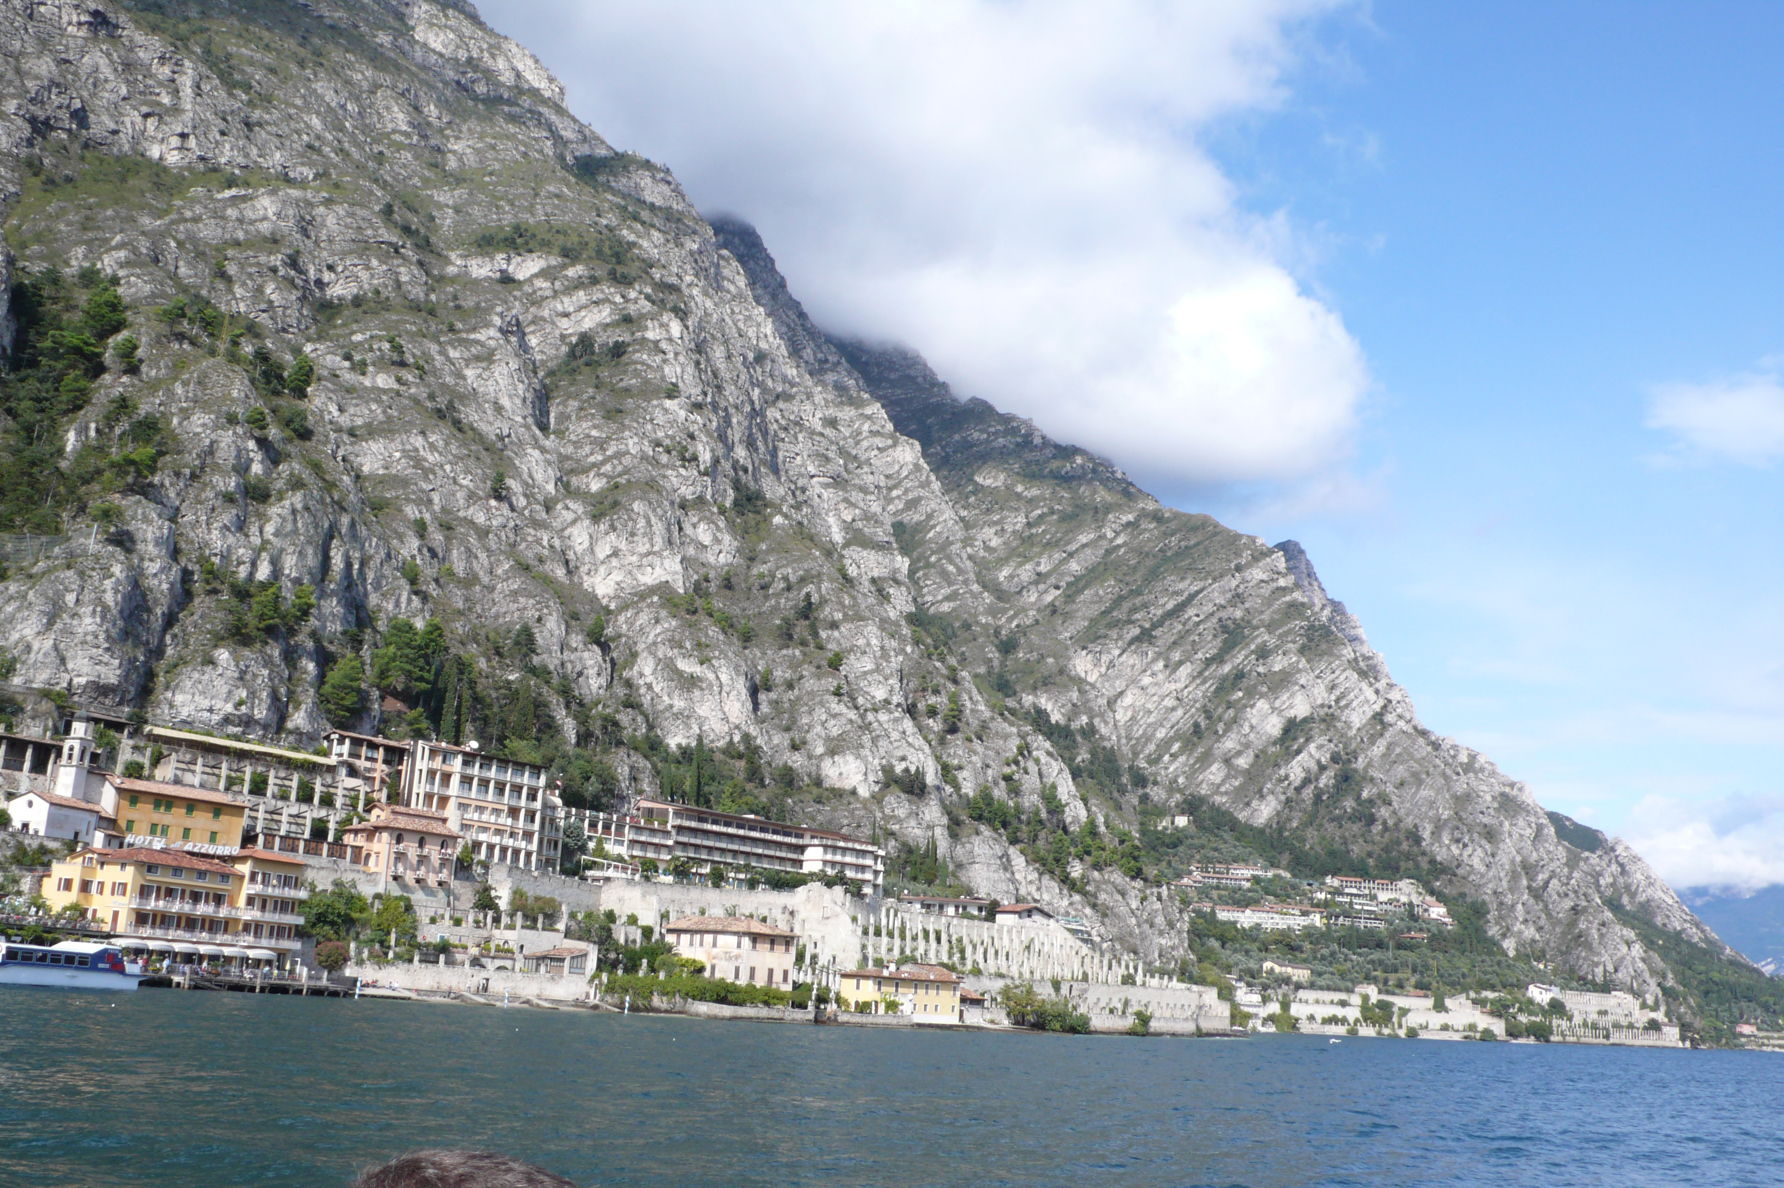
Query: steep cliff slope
x: 393, y: 337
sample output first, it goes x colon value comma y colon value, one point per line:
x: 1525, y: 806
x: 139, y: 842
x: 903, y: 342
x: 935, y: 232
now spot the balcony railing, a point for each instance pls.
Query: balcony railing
x: 281, y: 892
x: 213, y: 938
x: 227, y: 911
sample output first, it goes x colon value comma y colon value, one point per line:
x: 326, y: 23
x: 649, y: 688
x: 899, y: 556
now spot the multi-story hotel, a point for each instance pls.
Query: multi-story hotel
x: 146, y: 809
x: 504, y: 808
x: 665, y: 832
x: 186, y: 903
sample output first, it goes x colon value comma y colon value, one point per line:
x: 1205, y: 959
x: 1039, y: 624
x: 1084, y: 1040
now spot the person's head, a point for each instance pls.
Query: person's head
x: 458, y: 1169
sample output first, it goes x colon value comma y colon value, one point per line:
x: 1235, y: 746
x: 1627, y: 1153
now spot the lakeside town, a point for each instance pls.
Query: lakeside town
x: 418, y: 869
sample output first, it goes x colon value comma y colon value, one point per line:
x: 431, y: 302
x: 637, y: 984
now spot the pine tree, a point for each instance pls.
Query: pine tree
x: 341, y: 694
x: 951, y: 716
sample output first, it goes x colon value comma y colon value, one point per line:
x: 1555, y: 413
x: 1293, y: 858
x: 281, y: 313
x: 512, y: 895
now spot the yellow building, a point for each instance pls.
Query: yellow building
x: 174, y: 812
x: 922, y: 991
x: 186, y: 904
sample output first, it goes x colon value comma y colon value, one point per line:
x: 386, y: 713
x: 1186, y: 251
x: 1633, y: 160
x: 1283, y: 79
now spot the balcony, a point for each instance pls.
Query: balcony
x: 235, y: 939
x: 281, y: 892
x: 267, y: 915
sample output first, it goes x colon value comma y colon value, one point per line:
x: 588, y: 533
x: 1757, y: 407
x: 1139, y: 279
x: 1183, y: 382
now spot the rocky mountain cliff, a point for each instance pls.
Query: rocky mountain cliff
x: 392, y: 336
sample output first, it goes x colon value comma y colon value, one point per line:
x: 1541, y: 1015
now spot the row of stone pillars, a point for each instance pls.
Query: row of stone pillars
x: 288, y: 805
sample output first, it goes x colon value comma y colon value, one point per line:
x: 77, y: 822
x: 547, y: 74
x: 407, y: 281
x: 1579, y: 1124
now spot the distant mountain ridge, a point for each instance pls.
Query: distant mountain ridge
x: 1750, y: 921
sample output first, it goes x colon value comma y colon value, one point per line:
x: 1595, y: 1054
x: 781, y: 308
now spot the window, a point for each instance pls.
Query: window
x: 133, y: 800
x: 185, y: 835
x: 203, y: 876
x: 151, y: 869
x: 223, y: 878
x: 190, y: 808
x: 64, y: 884
x: 120, y: 889
x: 216, y: 814
x: 86, y: 886
x: 213, y: 837
x: 177, y: 873
x: 130, y: 826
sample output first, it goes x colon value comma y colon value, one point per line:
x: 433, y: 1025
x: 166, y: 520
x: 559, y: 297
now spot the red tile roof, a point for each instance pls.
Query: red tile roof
x: 413, y: 820
x: 64, y: 801
x: 268, y: 856
x: 157, y: 788
x: 164, y: 858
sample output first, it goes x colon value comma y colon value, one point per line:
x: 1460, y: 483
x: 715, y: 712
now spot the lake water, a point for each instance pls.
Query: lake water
x: 171, y: 1088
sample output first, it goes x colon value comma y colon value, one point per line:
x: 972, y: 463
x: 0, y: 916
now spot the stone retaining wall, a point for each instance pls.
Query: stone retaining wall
x: 459, y: 979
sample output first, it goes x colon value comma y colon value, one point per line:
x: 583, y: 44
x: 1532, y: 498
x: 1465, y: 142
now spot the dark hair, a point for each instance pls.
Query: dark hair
x: 444, y: 1168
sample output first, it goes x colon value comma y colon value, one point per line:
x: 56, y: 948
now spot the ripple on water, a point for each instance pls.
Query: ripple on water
x: 236, y: 1088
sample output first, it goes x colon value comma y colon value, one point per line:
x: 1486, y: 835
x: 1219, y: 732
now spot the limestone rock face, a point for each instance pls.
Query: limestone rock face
x: 546, y: 390
x: 1223, y: 666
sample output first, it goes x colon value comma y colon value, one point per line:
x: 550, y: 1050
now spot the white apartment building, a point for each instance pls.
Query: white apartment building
x: 503, y: 808
x: 1293, y: 919
x: 707, y: 837
x: 962, y: 907
x: 627, y: 838
x: 1379, y: 890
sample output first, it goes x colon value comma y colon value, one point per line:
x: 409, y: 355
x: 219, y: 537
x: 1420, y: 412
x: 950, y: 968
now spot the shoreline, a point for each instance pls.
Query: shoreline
x: 725, y: 1013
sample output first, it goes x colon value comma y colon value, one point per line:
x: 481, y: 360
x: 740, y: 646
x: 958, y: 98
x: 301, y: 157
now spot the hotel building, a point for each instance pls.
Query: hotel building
x: 187, y: 904
x: 706, y: 837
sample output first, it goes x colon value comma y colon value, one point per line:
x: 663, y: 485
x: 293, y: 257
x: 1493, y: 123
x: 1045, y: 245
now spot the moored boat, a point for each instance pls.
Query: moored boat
x: 70, y: 965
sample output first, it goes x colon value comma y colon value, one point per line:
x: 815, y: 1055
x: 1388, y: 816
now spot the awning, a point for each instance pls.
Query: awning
x: 160, y: 946
x: 183, y: 947
x: 211, y: 950
x: 262, y: 955
x: 235, y: 951
x: 130, y: 942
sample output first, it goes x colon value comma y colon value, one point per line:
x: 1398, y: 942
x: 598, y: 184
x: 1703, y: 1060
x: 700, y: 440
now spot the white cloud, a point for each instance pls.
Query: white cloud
x: 1711, y: 842
x: 1016, y: 191
x: 1740, y: 417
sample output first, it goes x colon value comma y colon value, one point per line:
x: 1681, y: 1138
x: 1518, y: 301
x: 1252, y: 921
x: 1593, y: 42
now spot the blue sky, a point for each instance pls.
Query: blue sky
x: 1531, y: 219
x: 1479, y: 303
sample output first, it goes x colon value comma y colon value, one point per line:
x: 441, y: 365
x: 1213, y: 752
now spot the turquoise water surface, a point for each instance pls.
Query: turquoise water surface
x: 173, y: 1088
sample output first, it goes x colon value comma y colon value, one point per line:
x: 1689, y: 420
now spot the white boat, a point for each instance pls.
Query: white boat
x: 69, y: 965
